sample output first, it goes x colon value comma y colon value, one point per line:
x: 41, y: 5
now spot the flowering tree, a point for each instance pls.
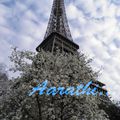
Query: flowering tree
x: 59, y: 69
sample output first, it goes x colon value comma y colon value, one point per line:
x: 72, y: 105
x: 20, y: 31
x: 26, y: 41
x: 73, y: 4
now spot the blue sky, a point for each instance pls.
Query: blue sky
x: 94, y: 24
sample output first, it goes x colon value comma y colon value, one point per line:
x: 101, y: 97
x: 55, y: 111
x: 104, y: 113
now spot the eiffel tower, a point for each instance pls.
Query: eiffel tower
x: 58, y: 36
x: 58, y: 33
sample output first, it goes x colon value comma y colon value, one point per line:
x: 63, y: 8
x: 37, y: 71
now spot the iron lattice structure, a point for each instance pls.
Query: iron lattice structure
x: 58, y: 33
x: 58, y: 20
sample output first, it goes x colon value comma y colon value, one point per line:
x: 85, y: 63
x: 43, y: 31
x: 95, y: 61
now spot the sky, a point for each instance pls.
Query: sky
x: 94, y: 25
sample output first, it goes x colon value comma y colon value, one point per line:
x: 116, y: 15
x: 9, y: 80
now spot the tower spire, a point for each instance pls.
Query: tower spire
x: 58, y: 33
x: 58, y: 20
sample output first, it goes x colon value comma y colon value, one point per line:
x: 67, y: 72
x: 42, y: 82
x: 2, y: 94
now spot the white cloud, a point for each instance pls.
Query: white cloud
x: 4, y: 49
